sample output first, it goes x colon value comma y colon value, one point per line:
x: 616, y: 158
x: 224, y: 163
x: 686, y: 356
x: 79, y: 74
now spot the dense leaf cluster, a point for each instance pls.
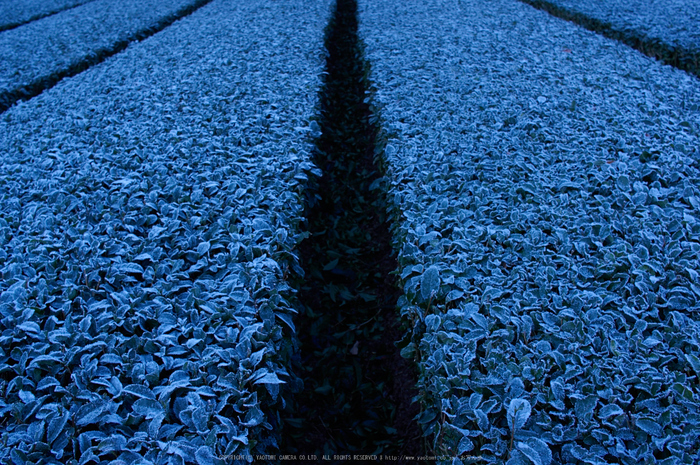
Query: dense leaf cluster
x: 544, y: 183
x: 149, y: 215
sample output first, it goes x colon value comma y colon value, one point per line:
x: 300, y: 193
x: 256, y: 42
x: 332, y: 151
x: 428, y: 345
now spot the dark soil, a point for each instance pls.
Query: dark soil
x: 358, y: 390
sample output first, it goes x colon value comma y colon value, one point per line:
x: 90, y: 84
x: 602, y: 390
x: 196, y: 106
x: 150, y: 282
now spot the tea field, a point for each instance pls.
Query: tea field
x: 542, y: 183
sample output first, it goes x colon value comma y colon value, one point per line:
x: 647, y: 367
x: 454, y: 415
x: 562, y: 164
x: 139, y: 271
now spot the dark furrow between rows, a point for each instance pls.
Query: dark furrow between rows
x: 358, y: 391
x: 679, y: 57
x: 9, y: 98
x: 10, y: 26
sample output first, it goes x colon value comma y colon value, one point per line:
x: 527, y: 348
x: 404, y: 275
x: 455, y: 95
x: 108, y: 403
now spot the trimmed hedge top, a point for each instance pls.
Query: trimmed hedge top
x: 148, y: 219
x: 544, y: 183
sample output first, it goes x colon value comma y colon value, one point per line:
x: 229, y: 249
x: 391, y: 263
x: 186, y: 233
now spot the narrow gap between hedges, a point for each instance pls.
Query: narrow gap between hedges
x: 10, y: 26
x: 31, y: 90
x: 684, y: 59
x: 358, y: 390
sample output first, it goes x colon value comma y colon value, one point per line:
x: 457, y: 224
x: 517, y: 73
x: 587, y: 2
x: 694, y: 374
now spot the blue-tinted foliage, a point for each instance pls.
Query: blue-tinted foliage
x: 548, y: 177
x: 150, y: 211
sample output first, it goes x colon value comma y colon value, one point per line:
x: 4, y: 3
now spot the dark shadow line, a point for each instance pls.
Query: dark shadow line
x: 358, y: 390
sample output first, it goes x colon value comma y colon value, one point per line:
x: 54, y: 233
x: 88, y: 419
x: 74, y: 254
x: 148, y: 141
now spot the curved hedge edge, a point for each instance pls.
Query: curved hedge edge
x: 679, y: 57
x: 26, y: 92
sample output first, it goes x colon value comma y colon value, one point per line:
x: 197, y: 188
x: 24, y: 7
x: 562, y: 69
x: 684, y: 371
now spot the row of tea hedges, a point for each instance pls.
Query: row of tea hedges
x: 149, y: 214
x: 544, y: 185
x: 14, y: 14
x: 665, y: 29
x: 36, y: 55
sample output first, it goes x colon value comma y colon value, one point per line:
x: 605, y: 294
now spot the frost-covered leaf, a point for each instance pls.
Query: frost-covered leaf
x: 200, y: 418
x: 139, y: 391
x: 204, y: 456
x: 269, y: 378
x: 430, y: 282
x: 432, y: 322
x: 89, y: 413
x: 694, y: 362
x: 518, y: 413
x: 649, y: 426
x: 134, y: 268
x: 26, y: 396
x: 56, y: 426
x: 610, y: 410
x: 203, y: 248
x: 536, y: 450
x: 584, y: 407
x: 148, y: 408
x: 530, y: 453
x: 155, y: 424
x: 454, y: 295
x: 517, y: 458
x: 29, y: 327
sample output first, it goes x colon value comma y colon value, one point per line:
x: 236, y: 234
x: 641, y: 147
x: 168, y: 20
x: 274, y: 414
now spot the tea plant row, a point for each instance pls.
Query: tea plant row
x: 544, y: 182
x: 13, y: 14
x: 664, y: 29
x: 37, y: 54
x: 149, y: 214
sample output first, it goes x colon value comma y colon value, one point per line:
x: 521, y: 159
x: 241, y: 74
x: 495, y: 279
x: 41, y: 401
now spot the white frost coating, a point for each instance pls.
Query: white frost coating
x: 561, y: 171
